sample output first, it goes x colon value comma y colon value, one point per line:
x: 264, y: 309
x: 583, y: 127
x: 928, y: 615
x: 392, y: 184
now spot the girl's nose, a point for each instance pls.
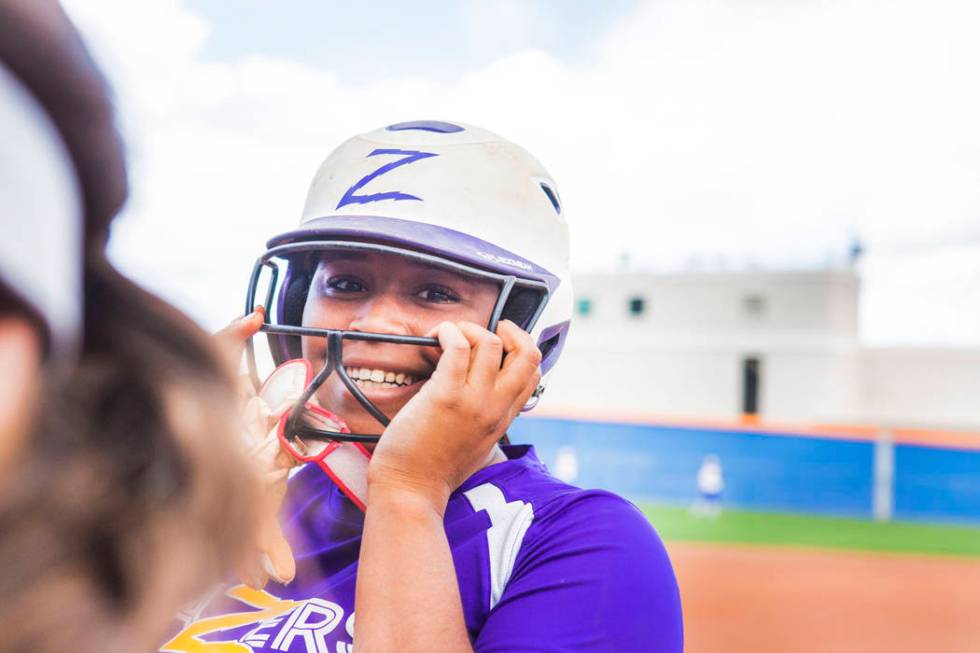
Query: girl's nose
x: 383, y: 313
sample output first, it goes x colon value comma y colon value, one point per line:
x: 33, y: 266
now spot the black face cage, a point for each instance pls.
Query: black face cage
x: 520, y: 300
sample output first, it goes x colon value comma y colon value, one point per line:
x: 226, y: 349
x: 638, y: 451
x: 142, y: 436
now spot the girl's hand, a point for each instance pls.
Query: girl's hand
x: 448, y: 430
x: 232, y: 338
x: 270, y: 554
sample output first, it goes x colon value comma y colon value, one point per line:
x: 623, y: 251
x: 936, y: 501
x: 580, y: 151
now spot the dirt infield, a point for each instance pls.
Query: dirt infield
x: 750, y: 598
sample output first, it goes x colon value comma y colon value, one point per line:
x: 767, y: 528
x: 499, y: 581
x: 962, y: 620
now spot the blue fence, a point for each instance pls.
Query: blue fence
x: 787, y: 473
x: 937, y: 483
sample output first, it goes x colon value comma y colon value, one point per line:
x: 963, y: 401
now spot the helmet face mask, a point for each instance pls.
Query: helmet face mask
x: 283, y: 278
x: 441, y: 195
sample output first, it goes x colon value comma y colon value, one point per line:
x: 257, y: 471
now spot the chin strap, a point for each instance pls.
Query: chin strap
x: 346, y: 463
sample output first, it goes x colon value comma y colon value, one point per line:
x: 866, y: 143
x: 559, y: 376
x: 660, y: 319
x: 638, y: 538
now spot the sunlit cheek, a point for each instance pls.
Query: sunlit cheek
x: 476, y: 312
x: 313, y: 348
x: 322, y: 314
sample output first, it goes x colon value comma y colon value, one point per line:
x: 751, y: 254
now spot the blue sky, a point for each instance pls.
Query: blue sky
x: 364, y: 41
x: 707, y: 133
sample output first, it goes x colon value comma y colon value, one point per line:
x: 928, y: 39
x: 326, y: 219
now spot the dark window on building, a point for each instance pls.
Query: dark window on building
x: 583, y: 306
x: 751, y: 385
x: 637, y: 305
x: 754, y: 305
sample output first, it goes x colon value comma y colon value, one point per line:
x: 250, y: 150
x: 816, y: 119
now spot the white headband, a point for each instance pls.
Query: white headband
x: 40, y: 215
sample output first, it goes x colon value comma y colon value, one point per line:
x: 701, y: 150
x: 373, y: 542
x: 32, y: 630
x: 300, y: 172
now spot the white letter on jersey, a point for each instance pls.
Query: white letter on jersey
x: 508, y: 524
x: 312, y: 632
x: 345, y: 647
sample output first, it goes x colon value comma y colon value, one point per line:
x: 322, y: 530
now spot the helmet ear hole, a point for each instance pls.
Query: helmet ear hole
x: 551, y: 342
x: 521, y: 306
x: 548, y: 346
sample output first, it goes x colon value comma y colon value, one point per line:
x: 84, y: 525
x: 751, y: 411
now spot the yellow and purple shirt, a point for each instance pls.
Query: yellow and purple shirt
x: 541, y: 566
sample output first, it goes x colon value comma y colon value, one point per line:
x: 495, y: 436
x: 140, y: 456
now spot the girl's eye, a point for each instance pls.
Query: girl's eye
x: 343, y: 285
x: 437, y: 295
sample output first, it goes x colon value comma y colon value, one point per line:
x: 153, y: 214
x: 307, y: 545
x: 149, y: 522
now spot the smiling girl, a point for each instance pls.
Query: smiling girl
x: 428, y: 292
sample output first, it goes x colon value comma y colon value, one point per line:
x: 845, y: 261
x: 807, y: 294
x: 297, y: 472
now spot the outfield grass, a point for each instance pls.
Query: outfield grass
x: 828, y: 532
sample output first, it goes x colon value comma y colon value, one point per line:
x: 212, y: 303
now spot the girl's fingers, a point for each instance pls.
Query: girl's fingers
x: 233, y: 336
x: 266, y: 447
x: 487, y: 352
x: 522, y: 398
x: 257, y: 418
x: 243, y: 327
x: 522, y: 360
x: 287, y: 403
x: 276, y: 476
x: 278, y: 561
x: 245, y: 389
x: 252, y: 574
x: 455, y: 360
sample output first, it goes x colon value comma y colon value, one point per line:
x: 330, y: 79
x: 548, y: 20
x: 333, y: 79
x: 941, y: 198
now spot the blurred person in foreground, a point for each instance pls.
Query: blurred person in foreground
x: 123, y: 493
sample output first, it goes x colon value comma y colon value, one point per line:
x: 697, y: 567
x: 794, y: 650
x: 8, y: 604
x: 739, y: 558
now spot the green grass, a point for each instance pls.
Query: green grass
x: 808, y: 531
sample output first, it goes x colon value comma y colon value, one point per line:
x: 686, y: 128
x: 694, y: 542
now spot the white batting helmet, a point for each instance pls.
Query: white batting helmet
x: 446, y: 192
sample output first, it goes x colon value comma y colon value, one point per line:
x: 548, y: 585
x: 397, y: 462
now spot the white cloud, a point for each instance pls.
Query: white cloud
x: 755, y: 130
x: 497, y: 26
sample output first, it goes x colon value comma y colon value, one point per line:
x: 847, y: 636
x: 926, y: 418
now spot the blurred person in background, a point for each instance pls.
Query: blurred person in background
x: 566, y: 464
x: 123, y: 490
x: 711, y: 483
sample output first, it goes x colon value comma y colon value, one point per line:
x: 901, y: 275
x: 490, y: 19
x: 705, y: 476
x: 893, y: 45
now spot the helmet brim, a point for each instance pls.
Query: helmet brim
x: 430, y: 239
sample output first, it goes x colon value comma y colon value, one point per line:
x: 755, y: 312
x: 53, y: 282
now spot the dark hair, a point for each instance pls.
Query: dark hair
x: 134, y: 466
x: 133, y: 493
x: 41, y: 47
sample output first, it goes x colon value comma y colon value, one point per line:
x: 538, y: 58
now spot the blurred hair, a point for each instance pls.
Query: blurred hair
x: 133, y: 495
x: 44, y: 50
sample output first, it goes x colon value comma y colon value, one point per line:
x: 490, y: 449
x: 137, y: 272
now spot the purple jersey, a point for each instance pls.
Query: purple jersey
x: 541, y: 565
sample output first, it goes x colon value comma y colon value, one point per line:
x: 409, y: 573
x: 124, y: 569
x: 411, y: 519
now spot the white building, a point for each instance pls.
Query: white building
x: 784, y: 345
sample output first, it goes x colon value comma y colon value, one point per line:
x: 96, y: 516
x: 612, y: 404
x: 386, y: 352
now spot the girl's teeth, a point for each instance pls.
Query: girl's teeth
x: 361, y: 383
x: 363, y: 375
